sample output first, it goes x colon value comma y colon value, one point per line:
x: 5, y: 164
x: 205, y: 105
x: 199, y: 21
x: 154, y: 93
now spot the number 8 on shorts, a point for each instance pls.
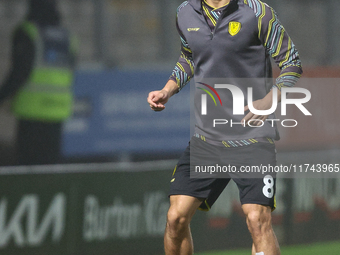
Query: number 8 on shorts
x: 268, y: 190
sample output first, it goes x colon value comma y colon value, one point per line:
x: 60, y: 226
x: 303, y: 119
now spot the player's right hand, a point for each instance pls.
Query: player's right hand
x: 157, y: 99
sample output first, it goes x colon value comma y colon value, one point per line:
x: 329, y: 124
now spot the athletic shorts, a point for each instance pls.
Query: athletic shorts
x: 260, y: 190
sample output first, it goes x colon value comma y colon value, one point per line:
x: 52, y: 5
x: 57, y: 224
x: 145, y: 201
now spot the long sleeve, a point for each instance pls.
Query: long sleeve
x: 184, y: 68
x: 21, y: 64
x: 279, y: 46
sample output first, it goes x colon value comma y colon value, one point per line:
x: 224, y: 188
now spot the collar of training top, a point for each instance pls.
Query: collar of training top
x: 196, y: 4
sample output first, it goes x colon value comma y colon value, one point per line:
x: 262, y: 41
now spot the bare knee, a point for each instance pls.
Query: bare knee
x: 182, y: 208
x: 177, y: 223
x: 258, y: 220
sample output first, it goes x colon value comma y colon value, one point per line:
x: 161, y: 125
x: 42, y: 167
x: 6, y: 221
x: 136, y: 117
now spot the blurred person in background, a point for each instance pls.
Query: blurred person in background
x: 40, y: 83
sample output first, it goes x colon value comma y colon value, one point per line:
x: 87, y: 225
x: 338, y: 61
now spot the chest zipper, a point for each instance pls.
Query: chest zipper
x: 212, y: 33
x: 222, y: 16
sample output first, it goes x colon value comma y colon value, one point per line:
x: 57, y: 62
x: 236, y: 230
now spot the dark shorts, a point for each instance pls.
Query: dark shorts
x: 259, y: 190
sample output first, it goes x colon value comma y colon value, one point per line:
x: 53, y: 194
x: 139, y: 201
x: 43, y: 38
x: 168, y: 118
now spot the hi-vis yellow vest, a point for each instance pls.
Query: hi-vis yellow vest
x: 47, y: 96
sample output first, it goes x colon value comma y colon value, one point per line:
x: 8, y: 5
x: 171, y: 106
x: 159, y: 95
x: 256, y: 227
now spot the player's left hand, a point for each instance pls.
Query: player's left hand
x: 257, y: 120
x: 262, y: 104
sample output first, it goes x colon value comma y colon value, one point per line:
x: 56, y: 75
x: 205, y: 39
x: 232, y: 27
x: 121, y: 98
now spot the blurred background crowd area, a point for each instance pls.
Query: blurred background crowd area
x: 140, y: 35
x: 127, y: 48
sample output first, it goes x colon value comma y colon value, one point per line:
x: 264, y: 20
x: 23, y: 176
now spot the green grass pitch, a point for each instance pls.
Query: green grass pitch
x: 306, y: 249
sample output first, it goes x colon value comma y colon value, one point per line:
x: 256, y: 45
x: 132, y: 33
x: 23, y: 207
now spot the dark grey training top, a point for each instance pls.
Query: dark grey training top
x: 247, y: 33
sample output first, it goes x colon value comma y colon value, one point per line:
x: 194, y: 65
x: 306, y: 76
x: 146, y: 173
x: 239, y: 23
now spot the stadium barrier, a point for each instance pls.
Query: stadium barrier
x: 84, y: 208
x: 120, y: 208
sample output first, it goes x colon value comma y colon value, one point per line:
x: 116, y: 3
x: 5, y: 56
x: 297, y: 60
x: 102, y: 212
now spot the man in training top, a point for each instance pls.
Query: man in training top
x: 229, y: 40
